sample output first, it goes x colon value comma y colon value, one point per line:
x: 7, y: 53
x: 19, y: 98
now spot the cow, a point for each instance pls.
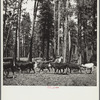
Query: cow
x: 42, y: 66
x: 87, y: 66
x: 7, y: 67
x: 74, y: 66
x: 58, y: 66
x: 58, y: 60
x: 25, y: 66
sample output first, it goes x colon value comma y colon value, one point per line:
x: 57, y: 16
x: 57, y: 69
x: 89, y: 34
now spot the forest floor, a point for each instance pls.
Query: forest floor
x: 46, y: 78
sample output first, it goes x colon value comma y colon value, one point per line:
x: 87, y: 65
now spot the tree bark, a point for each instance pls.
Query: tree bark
x: 47, y: 48
x: 79, y: 36
x: 19, y: 20
x: 93, y: 24
x: 43, y: 47
x: 15, y: 49
x: 55, y: 50
x: 85, y: 51
x: 58, y: 50
x: 9, y: 31
x: 65, y: 35
x: 69, y: 41
x: 33, y: 24
x: 5, y: 16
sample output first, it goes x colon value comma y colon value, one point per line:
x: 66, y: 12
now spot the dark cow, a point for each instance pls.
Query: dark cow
x: 7, y: 67
x: 59, y: 66
x: 74, y: 66
x: 26, y: 66
x: 43, y: 66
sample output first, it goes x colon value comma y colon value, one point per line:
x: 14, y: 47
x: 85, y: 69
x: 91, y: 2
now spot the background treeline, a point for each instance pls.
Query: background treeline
x: 57, y: 28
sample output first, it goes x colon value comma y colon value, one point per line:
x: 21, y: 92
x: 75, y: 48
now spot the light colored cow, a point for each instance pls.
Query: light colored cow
x: 59, y: 60
x: 88, y: 66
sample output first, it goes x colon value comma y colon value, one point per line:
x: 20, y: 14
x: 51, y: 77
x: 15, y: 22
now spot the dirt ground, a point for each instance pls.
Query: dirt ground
x: 46, y: 78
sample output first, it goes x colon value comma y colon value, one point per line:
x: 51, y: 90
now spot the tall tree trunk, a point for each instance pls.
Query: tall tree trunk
x: 15, y: 49
x: 70, y: 55
x: 43, y: 47
x: 75, y: 49
x: 69, y: 41
x: 65, y: 35
x: 93, y: 48
x: 85, y: 32
x: 19, y: 20
x: 15, y: 46
x: 58, y: 50
x: 33, y: 25
x: 4, y: 28
x: 9, y: 31
x: 18, y: 33
x: 54, y: 52
x: 24, y: 47
x: 79, y: 37
x: 85, y: 44
x: 48, y: 48
x: 69, y: 38
x: 87, y: 58
x: 94, y: 21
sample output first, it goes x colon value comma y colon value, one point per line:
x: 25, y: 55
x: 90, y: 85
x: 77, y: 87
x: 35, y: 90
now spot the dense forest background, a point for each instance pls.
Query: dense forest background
x: 65, y: 28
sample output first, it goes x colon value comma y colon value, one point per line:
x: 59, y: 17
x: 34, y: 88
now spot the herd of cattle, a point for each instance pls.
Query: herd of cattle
x: 41, y: 65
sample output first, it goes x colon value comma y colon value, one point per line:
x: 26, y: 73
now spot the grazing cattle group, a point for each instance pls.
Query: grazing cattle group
x: 42, y: 65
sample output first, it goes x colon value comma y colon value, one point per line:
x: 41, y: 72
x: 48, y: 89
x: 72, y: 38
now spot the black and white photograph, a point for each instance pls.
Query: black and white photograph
x: 50, y: 43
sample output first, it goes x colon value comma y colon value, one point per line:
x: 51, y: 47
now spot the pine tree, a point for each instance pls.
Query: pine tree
x: 46, y: 25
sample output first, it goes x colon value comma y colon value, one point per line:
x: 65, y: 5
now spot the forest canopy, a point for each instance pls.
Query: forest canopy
x: 65, y: 28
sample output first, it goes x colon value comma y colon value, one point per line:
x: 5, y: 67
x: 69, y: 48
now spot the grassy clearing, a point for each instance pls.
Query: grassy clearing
x: 50, y: 79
